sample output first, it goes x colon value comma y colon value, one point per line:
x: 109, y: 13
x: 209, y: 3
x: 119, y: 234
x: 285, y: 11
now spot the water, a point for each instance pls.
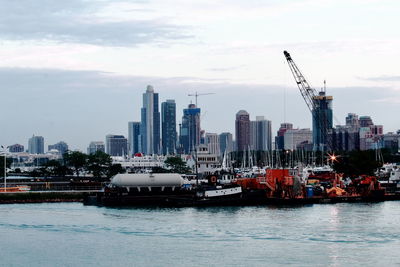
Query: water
x: 70, y: 234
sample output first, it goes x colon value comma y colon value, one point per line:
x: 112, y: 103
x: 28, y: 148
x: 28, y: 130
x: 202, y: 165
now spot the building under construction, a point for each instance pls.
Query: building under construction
x: 320, y: 106
x: 322, y: 121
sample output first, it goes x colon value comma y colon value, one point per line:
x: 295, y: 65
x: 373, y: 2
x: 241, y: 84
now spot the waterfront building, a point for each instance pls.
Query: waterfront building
x: 213, y: 143
x: 242, y: 130
x: 225, y: 143
x: 322, y: 120
x: 168, y: 126
x: 95, y: 146
x: 279, y: 139
x: 36, y: 145
x: 16, y: 148
x: 61, y: 147
x: 150, y: 123
x: 190, y: 129
x: 116, y: 145
x: 134, y: 145
x: 296, y: 137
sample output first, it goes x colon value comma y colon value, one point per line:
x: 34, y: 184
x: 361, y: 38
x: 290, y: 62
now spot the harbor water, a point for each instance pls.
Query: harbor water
x: 71, y: 234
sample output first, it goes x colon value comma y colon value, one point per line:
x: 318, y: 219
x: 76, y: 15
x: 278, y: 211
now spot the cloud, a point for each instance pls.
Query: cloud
x: 382, y: 78
x: 82, y: 106
x: 78, y: 21
x: 223, y: 69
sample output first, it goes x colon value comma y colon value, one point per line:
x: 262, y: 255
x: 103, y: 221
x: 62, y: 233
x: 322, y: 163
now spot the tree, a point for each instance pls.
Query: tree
x: 76, y: 160
x: 176, y: 164
x: 114, y: 169
x: 356, y: 163
x: 99, y: 163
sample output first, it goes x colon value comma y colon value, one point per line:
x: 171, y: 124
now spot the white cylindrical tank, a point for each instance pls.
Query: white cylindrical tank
x: 148, y: 180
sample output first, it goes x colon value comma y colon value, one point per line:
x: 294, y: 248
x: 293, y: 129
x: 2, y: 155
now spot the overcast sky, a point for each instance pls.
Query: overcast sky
x: 75, y: 70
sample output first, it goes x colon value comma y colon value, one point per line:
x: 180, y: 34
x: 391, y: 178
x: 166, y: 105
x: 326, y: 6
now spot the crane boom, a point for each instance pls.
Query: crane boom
x: 197, y: 95
x: 307, y: 92
x: 314, y: 103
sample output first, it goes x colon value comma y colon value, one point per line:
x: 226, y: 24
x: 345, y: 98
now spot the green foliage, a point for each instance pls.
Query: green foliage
x: 99, y: 164
x: 356, y: 163
x: 76, y: 160
x: 177, y: 165
x: 115, y: 169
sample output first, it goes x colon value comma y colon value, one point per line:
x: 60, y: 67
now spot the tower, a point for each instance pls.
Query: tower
x: 150, y: 122
x: 242, y: 130
x: 168, y: 126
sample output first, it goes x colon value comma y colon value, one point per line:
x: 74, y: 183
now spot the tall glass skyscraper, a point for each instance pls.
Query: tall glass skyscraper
x: 168, y: 126
x: 190, y: 129
x: 36, y: 145
x: 150, y: 123
x: 133, y: 137
x: 322, y: 121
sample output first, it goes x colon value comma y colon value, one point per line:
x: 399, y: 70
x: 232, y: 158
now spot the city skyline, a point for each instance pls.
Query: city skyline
x: 80, y: 85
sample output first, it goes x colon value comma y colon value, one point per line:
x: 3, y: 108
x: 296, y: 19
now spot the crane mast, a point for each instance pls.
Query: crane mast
x: 313, y: 101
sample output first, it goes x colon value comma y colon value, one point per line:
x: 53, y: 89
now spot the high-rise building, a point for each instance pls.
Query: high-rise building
x: 260, y: 134
x: 225, y: 142
x: 365, y: 121
x: 16, y: 148
x: 295, y: 137
x: 352, y: 121
x: 168, y: 126
x: 213, y: 143
x: 116, y: 145
x: 134, y: 137
x: 279, y: 139
x: 61, y: 146
x: 36, y: 145
x: 322, y: 120
x: 190, y: 129
x: 242, y: 130
x: 150, y: 122
x: 96, y: 146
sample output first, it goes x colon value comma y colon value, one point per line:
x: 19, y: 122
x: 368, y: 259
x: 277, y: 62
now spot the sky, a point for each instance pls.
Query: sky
x: 76, y: 70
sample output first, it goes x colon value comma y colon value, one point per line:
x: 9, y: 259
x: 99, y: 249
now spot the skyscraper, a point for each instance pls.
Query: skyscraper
x: 150, y: 122
x: 96, y: 146
x: 116, y: 145
x: 226, y: 142
x: 190, y: 129
x: 133, y: 137
x: 263, y: 134
x: 168, y: 126
x: 212, y: 142
x: 36, y: 145
x: 322, y: 120
x: 242, y: 130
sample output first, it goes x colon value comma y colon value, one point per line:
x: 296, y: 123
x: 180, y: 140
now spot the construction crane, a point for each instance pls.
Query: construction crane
x: 313, y: 100
x: 197, y: 95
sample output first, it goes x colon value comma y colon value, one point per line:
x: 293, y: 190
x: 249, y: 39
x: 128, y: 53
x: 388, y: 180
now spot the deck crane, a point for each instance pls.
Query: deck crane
x: 312, y: 99
x: 197, y: 95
